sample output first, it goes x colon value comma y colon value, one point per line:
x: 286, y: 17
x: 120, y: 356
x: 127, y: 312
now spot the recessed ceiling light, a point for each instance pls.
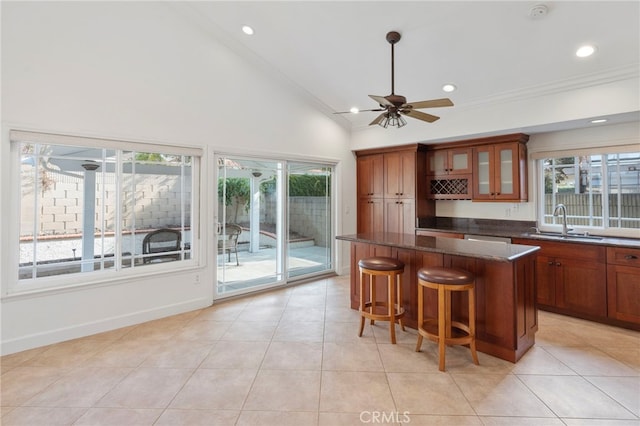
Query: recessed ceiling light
x: 449, y: 87
x: 354, y: 110
x: 539, y: 11
x: 247, y: 30
x: 584, y: 51
x: 599, y: 120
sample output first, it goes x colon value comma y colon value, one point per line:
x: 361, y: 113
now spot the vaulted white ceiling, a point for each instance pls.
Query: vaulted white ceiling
x: 336, y: 51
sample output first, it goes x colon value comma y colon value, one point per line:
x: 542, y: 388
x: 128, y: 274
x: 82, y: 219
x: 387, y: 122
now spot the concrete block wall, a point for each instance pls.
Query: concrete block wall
x: 61, y: 207
x: 308, y: 216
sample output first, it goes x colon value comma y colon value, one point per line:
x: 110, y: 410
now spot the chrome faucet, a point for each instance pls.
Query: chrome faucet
x: 563, y: 209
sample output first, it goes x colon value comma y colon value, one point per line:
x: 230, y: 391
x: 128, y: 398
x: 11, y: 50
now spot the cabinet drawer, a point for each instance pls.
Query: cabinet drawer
x: 567, y: 250
x: 623, y: 256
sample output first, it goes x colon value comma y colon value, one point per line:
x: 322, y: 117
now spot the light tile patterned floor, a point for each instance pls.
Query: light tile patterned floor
x: 292, y: 357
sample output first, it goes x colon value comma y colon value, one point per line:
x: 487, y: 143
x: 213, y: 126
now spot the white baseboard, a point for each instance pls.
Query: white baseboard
x: 99, y: 326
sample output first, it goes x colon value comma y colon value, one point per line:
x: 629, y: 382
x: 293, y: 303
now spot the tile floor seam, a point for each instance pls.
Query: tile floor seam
x: 255, y: 377
x: 538, y: 396
x: 610, y: 396
x: 184, y: 384
x: 466, y: 398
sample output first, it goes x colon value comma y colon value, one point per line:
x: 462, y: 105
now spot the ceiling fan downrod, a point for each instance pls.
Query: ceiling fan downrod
x: 393, y: 37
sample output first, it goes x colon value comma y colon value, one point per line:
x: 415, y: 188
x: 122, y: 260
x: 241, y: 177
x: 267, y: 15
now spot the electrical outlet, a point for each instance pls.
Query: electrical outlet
x: 196, y: 279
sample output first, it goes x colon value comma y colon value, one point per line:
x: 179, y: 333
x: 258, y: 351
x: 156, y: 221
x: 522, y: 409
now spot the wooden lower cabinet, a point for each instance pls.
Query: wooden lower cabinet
x: 623, y: 284
x: 588, y: 281
x: 506, y: 316
x: 581, y: 286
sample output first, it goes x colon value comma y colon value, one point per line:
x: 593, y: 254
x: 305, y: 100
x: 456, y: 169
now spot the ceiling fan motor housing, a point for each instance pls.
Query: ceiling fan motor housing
x: 396, y: 100
x: 393, y: 37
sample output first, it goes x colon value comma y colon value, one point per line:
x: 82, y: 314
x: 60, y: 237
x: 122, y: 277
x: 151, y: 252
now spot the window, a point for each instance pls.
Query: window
x: 89, y: 206
x: 600, y: 191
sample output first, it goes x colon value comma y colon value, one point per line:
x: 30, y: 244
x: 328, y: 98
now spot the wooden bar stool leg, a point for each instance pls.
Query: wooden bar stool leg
x: 472, y: 325
x: 362, y: 303
x: 391, y: 308
x: 442, y: 327
x: 373, y: 297
x: 399, y: 301
x: 420, y: 315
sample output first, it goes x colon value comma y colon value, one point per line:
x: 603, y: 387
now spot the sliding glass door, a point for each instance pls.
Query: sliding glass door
x: 274, y: 222
x: 309, y: 218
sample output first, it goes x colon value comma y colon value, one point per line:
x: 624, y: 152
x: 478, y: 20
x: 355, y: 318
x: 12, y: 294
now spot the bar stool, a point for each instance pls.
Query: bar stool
x: 446, y: 280
x: 392, y: 269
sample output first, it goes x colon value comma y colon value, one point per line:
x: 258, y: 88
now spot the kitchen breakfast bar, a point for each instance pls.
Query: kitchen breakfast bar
x: 506, y: 315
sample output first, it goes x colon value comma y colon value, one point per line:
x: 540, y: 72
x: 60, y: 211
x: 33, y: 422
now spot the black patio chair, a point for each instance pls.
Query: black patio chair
x: 162, y: 241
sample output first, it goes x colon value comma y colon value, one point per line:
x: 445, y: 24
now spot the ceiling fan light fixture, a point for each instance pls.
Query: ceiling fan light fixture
x: 247, y: 30
x: 393, y: 120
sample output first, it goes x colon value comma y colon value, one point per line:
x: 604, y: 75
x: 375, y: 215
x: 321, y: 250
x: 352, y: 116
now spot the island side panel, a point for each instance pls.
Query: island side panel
x: 506, y: 315
x: 526, y: 309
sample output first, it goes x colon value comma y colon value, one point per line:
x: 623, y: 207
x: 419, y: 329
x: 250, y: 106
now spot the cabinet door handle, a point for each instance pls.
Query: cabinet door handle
x: 558, y: 264
x: 630, y: 257
x: 550, y: 263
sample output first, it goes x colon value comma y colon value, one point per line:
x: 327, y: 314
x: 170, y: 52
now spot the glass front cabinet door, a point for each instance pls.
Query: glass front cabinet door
x: 500, y: 172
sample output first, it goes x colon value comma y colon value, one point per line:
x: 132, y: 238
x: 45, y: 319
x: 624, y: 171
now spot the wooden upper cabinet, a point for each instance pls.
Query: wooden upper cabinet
x: 449, y: 161
x: 400, y: 174
x: 500, y: 172
x: 370, y: 175
x: 392, y: 189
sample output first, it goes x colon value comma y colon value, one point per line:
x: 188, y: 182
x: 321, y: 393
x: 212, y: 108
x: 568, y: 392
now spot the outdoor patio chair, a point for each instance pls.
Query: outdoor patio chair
x: 228, y: 240
x: 160, y: 241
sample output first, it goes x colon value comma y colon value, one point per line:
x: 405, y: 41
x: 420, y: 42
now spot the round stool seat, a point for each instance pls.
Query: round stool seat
x: 449, y: 276
x: 380, y: 263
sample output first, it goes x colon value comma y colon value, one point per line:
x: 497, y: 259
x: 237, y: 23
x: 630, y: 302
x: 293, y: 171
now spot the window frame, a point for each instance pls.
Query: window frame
x: 16, y: 286
x: 605, y: 229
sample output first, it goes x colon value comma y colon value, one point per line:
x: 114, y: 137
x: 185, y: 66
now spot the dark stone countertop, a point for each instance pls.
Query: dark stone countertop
x: 515, y: 229
x: 488, y: 250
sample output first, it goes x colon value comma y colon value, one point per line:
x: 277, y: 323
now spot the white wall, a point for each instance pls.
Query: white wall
x: 139, y: 71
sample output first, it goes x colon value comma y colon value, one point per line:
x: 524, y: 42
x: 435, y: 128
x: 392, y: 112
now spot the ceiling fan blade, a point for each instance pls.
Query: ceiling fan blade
x: 378, y: 119
x: 419, y: 115
x: 381, y: 100
x: 362, y: 110
x: 433, y: 103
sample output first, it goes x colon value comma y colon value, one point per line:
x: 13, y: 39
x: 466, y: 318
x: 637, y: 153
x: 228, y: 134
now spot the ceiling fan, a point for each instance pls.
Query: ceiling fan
x: 394, y: 106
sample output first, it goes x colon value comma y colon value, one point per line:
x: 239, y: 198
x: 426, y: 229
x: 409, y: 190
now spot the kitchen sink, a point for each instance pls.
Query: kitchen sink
x: 558, y: 236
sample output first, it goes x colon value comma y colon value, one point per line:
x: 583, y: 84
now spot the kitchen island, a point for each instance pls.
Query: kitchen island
x: 506, y: 315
